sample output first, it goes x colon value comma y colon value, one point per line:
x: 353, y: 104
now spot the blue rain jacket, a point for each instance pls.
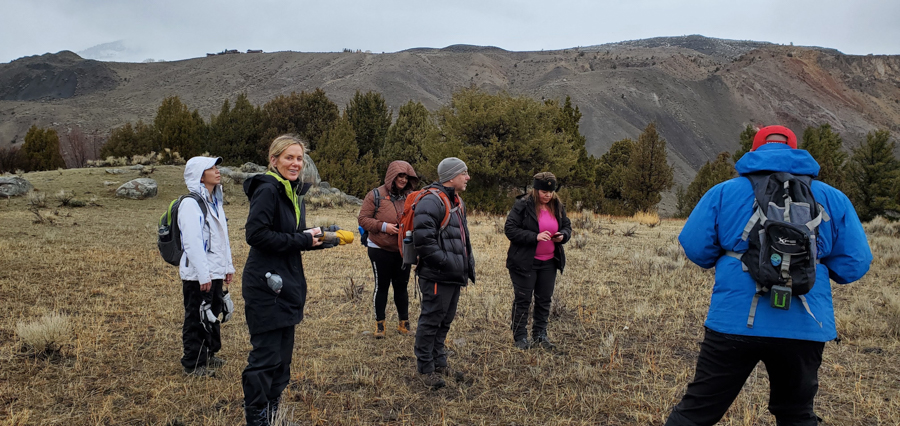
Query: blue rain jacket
x: 716, y: 224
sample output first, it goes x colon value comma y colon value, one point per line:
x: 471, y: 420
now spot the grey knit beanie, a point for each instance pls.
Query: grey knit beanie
x: 450, y: 168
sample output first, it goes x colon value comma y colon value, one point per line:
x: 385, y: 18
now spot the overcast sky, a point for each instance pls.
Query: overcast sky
x: 180, y: 29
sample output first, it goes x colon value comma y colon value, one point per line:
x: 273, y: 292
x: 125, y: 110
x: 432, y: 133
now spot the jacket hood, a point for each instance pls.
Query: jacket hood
x: 193, y: 172
x: 397, y: 167
x: 776, y: 157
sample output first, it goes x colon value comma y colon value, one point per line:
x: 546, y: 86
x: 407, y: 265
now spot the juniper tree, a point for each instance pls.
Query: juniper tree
x: 648, y: 173
x: 337, y: 159
x: 827, y: 148
x: 370, y: 118
x: 746, y: 140
x: 309, y: 115
x: 234, y: 133
x: 611, y: 176
x: 177, y: 128
x: 41, y: 149
x: 710, y: 175
x: 872, y: 174
x: 408, y: 134
x: 504, y: 140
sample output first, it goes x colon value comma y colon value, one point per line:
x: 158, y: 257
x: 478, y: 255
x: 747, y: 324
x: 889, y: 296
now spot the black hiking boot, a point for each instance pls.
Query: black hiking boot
x: 257, y: 416
x: 215, y: 362
x: 451, y: 373
x: 432, y: 380
x: 199, y: 371
x: 542, y: 341
x: 523, y: 344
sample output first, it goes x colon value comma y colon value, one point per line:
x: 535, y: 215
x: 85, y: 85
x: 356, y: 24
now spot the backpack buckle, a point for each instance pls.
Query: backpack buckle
x: 781, y: 297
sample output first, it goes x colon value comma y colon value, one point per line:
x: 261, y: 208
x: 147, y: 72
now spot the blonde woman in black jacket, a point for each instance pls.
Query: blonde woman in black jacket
x: 537, y: 228
x: 276, y: 237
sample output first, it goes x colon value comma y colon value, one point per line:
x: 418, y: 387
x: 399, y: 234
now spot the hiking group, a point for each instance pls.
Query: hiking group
x: 773, y: 232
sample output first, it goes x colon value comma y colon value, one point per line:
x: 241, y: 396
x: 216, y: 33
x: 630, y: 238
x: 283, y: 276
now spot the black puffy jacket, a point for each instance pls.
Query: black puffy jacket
x: 276, y: 240
x: 444, y: 257
x: 522, y: 229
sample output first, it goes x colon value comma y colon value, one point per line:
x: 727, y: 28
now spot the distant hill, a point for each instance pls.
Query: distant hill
x: 700, y: 91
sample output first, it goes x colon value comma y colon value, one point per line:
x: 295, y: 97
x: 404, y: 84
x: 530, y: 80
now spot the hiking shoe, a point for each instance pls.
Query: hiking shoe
x: 432, y: 380
x: 199, y: 371
x: 446, y: 371
x: 403, y: 327
x: 544, y: 342
x: 215, y: 362
x: 523, y: 344
x: 379, y: 329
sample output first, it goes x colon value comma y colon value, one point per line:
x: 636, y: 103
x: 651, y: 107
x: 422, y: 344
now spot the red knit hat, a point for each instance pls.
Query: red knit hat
x: 763, y: 134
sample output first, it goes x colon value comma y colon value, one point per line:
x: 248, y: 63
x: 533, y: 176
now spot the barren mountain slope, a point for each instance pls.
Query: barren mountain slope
x: 700, y: 91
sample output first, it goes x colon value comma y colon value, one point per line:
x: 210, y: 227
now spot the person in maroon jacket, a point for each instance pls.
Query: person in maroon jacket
x: 380, y: 217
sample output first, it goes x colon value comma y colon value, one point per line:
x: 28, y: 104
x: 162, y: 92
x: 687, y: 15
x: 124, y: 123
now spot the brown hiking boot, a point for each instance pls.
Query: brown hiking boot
x: 449, y: 372
x: 403, y: 327
x: 379, y: 329
x: 432, y: 380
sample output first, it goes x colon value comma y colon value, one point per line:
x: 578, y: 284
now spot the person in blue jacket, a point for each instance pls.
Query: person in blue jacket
x: 789, y: 342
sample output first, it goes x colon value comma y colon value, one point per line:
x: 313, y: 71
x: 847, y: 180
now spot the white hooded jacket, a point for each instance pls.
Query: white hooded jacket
x: 207, y: 249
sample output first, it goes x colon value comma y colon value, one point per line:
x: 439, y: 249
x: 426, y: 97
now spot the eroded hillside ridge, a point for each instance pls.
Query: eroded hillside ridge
x: 701, y: 92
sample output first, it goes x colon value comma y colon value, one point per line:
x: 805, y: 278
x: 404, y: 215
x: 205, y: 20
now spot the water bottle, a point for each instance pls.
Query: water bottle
x: 274, y: 281
x: 409, y: 249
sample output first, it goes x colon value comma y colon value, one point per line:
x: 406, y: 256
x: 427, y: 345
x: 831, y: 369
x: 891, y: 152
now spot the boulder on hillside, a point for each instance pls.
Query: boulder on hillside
x: 13, y: 186
x: 138, y: 189
x: 252, y: 168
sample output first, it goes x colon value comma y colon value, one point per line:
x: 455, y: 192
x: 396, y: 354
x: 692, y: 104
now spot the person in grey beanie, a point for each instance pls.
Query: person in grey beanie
x: 446, y: 264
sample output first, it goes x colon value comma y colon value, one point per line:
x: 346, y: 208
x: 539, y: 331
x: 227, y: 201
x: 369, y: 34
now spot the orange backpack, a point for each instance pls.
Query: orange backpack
x: 404, y: 237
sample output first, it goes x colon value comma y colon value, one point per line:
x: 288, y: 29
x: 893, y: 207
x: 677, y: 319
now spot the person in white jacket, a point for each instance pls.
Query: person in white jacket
x: 206, y: 267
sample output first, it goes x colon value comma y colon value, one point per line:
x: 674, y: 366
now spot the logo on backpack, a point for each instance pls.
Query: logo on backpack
x: 168, y: 237
x: 404, y: 237
x: 782, y: 234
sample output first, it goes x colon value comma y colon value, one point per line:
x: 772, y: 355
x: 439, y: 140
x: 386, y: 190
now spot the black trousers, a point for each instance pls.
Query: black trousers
x: 438, y: 310
x: 539, y: 283
x: 727, y: 360
x: 388, y: 269
x: 200, y: 340
x: 268, y: 369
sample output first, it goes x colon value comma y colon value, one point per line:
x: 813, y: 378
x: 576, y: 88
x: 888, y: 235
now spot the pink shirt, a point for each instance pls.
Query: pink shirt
x: 546, y: 222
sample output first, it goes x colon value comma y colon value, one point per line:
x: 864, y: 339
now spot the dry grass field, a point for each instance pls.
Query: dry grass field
x: 627, y: 318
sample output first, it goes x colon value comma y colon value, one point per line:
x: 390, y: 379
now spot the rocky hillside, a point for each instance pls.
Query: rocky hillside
x: 700, y: 91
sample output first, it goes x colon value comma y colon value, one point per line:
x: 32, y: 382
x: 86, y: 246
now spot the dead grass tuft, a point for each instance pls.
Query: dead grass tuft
x: 45, y: 336
x: 650, y: 219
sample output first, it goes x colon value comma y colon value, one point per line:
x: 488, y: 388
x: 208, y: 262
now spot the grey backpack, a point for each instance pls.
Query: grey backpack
x: 168, y: 237
x: 782, y: 235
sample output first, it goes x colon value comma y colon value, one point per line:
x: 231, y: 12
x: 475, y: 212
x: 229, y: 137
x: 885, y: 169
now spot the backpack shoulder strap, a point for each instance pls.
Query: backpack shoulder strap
x: 446, y: 200
x: 200, y: 202
x: 377, y: 194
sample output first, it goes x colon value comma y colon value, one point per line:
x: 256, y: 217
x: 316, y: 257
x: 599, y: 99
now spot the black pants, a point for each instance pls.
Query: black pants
x: 438, y: 310
x: 540, y: 283
x: 727, y: 360
x: 200, y: 340
x: 389, y: 271
x: 268, y: 369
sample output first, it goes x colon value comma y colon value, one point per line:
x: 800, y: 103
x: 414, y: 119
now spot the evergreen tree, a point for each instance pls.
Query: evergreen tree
x: 872, y: 176
x: 827, y: 148
x: 41, y: 149
x: 307, y: 115
x: 504, y: 140
x: 235, y: 132
x: 611, y: 176
x: 408, y: 135
x: 338, y: 161
x: 177, y: 128
x: 648, y: 172
x: 370, y: 118
x: 710, y: 175
x: 746, y: 142
x: 581, y: 189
